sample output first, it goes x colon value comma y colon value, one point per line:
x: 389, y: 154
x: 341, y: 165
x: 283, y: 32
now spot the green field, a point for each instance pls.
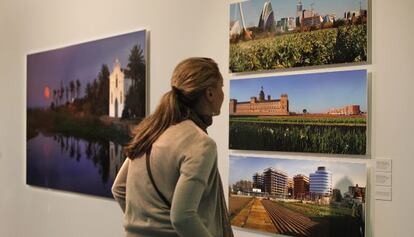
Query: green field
x: 331, y: 135
x: 313, y: 210
x: 345, y: 44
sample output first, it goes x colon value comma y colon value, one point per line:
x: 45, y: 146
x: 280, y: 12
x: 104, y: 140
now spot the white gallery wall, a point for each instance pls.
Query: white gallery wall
x: 180, y: 29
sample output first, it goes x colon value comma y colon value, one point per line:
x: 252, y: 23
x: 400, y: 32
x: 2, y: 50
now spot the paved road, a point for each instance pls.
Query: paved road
x: 254, y: 216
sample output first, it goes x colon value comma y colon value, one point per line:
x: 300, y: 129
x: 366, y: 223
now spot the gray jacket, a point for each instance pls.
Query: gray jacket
x: 184, y: 168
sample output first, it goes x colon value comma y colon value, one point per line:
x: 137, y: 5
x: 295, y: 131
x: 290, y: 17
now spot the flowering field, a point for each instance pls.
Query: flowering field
x: 346, y: 44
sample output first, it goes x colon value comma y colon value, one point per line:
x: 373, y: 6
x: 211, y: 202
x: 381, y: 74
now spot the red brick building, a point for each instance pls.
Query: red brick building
x: 300, y: 186
x: 346, y: 110
x: 260, y: 106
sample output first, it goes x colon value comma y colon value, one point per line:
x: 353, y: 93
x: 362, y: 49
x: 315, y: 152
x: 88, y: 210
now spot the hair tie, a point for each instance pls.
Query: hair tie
x: 180, y: 96
x: 176, y: 90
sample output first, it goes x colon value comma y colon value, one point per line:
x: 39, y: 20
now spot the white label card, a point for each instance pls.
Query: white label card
x: 383, y: 193
x: 383, y: 179
x: 383, y: 165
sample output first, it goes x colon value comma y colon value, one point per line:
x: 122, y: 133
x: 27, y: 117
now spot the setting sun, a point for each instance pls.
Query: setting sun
x: 46, y: 92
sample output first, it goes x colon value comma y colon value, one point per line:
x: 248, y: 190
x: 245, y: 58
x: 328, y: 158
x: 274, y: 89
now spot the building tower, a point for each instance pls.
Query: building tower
x: 299, y: 13
x: 284, y: 102
x: 299, y: 8
x: 267, y: 18
x: 261, y: 95
x: 300, y: 186
x: 118, y: 87
x: 258, y: 181
x: 233, y: 106
x: 320, y: 183
x: 275, y: 182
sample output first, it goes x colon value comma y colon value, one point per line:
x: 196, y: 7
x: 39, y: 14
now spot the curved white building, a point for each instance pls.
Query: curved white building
x: 320, y: 182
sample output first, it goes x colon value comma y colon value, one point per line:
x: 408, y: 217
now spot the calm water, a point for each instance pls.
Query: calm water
x: 73, y: 164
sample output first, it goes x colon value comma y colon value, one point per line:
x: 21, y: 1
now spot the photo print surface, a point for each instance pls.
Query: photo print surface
x: 82, y: 101
x: 277, y: 34
x: 315, y: 113
x: 301, y: 198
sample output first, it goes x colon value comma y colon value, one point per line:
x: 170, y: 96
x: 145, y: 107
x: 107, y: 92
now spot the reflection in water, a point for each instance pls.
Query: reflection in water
x: 73, y: 164
x: 115, y: 158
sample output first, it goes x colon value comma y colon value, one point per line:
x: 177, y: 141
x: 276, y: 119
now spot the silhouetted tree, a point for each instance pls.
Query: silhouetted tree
x: 135, y: 98
x: 78, y: 88
x: 72, y: 89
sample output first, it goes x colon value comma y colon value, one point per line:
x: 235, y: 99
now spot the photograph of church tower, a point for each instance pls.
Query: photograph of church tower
x: 318, y: 113
x: 82, y: 101
x: 118, y: 88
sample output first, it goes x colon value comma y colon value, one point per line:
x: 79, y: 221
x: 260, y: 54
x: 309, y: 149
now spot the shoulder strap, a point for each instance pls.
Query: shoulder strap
x: 147, y: 157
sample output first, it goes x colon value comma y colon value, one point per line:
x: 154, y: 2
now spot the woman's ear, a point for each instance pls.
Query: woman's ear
x: 209, y: 94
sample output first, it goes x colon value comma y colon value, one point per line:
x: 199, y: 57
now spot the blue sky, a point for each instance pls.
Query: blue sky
x: 316, y: 92
x: 344, y: 174
x: 287, y: 8
x: 84, y: 61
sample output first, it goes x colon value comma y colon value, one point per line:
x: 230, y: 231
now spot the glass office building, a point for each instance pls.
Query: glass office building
x: 320, y: 182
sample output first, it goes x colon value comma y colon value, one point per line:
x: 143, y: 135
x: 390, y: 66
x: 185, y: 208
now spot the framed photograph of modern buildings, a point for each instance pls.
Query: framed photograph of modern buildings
x: 316, y: 113
x: 296, y: 197
x: 275, y: 34
x: 82, y: 100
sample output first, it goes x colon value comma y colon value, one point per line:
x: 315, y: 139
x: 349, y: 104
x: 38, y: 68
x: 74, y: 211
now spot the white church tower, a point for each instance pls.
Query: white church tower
x: 118, y: 87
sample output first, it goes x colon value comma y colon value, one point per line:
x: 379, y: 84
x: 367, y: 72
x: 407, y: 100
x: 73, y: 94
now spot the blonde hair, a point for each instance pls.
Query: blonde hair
x: 189, y: 81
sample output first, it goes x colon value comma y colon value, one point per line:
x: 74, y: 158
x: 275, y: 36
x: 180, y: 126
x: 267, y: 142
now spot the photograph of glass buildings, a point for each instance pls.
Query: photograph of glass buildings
x: 277, y: 34
x: 310, y: 198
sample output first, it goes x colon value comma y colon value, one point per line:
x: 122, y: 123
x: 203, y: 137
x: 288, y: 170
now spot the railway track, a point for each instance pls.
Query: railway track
x: 288, y: 222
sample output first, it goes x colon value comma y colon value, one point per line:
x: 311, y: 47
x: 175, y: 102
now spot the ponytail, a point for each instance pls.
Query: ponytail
x: 169, y: 111
x: 190, y: 79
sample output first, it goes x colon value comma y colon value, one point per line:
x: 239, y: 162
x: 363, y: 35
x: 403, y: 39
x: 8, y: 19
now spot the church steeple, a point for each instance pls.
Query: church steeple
x: 261, y: 95
x: 117, y: 63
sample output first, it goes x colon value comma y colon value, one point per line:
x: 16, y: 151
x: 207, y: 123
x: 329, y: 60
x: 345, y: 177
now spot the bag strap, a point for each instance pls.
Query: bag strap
x: 147, y: 158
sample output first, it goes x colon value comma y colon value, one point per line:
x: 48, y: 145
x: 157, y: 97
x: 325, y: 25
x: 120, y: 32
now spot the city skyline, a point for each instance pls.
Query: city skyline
x: 315, y: 92
x: 343, y: 174
x: 253, y: 8
x: 83, y: 61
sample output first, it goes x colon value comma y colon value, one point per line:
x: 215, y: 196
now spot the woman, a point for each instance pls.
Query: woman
x: 170, y: 185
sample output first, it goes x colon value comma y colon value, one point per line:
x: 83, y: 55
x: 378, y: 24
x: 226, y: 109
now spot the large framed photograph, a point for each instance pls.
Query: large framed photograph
x: 275, y: 34
x: 297, y: 197
x: 316, y: 113
x: 82, y: 101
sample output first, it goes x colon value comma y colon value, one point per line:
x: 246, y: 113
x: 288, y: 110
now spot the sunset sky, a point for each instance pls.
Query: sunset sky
x: 48, y: 70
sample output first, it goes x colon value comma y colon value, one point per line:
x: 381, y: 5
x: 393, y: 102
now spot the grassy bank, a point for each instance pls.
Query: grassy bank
x: 77, y: 125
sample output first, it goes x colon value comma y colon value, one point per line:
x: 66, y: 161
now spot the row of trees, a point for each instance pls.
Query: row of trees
x: 66, y: 93
x: 96, y: 98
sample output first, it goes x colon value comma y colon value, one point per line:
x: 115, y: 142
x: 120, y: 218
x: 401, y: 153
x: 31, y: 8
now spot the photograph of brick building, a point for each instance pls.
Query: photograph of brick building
x: 317, y: 112
x: 260, y: 106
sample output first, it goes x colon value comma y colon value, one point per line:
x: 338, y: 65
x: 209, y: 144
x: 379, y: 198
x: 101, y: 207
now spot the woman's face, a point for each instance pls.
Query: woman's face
x: 218, y: 97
